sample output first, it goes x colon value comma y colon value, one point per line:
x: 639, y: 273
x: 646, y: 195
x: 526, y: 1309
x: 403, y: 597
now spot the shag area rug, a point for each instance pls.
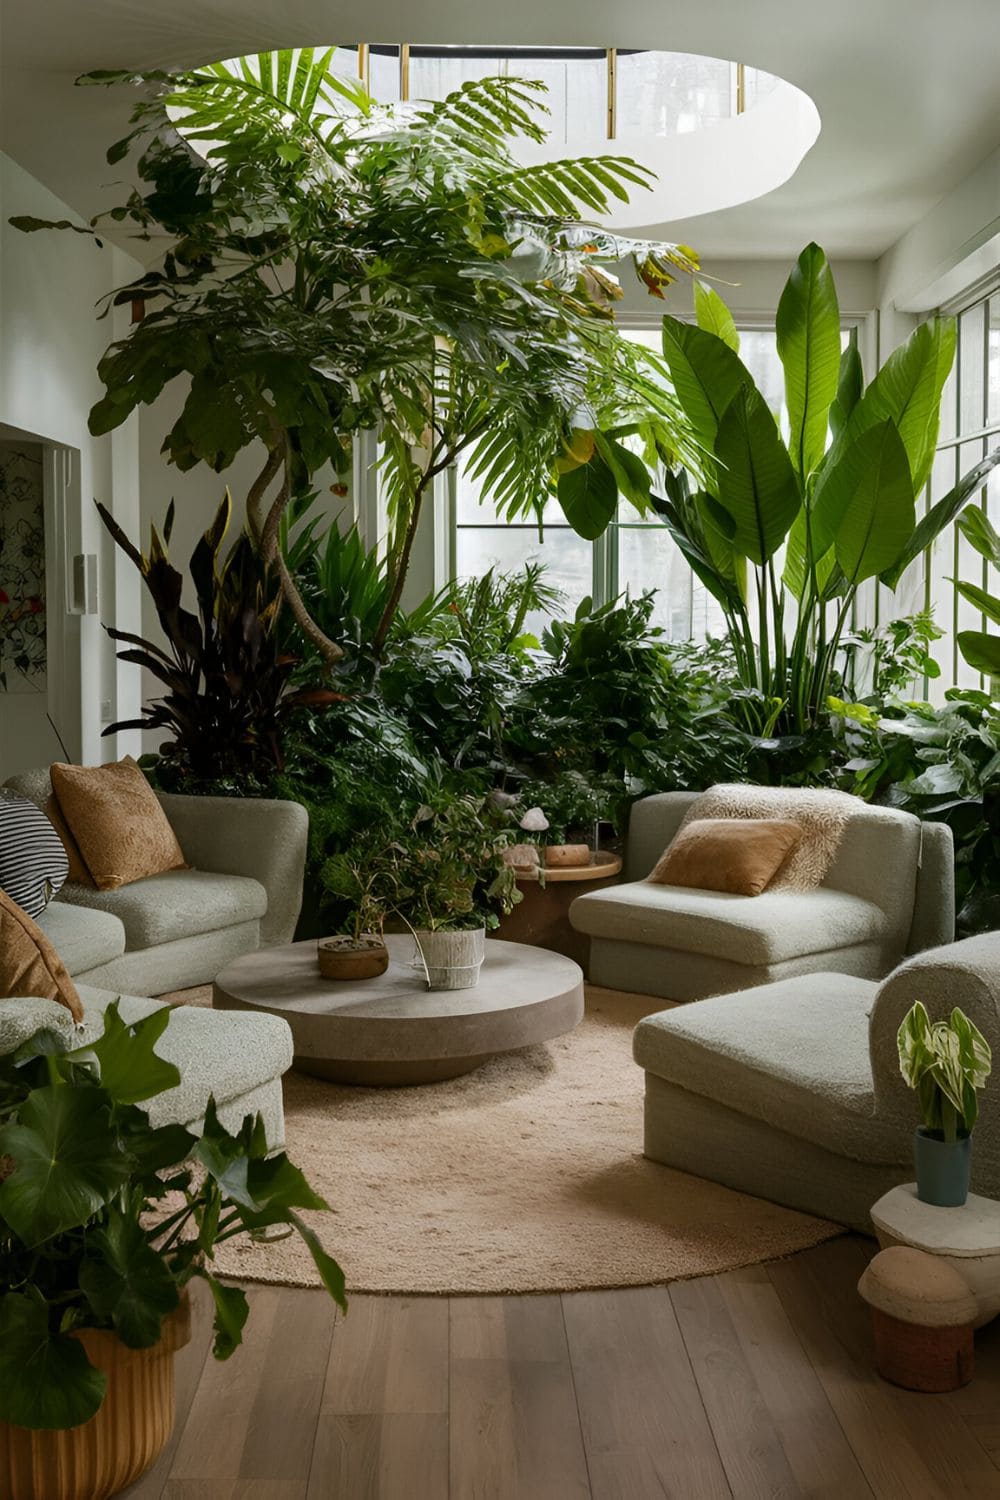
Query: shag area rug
x: 524, y: 1176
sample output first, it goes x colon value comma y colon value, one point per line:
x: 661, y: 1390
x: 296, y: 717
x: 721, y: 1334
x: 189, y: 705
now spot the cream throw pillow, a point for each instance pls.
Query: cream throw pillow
x: 113, y: 814
x: 740, y: 856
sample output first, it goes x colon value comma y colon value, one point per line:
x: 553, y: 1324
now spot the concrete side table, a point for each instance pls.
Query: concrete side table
x: 968, y: 1238
x: 542, y: 917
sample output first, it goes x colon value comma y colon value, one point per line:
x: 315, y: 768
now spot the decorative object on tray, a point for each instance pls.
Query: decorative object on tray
x: 923, y: 1315
x: 103, y: 1223
x: 946, y: 1062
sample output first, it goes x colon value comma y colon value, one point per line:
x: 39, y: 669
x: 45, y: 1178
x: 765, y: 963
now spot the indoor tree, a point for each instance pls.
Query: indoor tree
x: 335, y: 267
x: 784, y: 530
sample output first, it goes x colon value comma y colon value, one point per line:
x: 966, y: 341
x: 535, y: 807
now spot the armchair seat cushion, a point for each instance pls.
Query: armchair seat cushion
x: 754, y: 930
x: 83, y: 939
x: 793, y: 1054
x: 226, y: 1055
x: 176, y: 904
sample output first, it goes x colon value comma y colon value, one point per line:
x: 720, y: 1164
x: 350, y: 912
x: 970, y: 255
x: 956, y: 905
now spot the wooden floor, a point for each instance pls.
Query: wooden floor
x: 755, y: 1383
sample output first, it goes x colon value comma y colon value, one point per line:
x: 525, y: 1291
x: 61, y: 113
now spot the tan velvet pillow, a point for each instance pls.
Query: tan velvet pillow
x: 738, y: 855
x: 78, y: 872
x: 120, y: 828
x: 29, y: 965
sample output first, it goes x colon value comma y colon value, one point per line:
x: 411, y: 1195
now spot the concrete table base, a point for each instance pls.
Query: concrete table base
x: 392, y: 1030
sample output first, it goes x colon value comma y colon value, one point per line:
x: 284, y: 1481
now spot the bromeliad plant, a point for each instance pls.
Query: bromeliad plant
x: 228, y: 683
x: 837, y: 498
x: 105, y: 1218
x: 946, y: 1062
x: 335, y: 268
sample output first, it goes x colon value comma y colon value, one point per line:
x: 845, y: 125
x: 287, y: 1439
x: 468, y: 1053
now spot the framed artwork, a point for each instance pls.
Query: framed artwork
x: 22, y: 568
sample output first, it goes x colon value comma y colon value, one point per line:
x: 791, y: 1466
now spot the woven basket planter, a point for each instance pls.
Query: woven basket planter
x: 119, y: 1442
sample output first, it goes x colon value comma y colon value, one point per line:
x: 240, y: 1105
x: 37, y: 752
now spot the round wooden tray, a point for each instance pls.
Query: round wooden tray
x: 603, y: 865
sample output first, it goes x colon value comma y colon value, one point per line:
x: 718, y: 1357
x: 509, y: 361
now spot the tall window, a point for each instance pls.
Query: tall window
x: 970, y: 428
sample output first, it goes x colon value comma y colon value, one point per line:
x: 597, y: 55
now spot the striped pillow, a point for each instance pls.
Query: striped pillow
x: 33, y: 862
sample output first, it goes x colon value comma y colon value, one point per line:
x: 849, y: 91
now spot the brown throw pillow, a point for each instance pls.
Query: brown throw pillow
x: 29, y: 965
x: 78, y: 872
x: 120, y: 827
x: 738, y: 855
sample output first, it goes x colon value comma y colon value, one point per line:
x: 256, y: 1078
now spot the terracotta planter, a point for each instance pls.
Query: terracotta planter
x: 119, y: 1442
x: 345, y: 958
x: 566, y: 856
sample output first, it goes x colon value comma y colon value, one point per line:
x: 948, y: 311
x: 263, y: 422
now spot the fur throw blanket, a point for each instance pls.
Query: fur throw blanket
x: 822, y: 814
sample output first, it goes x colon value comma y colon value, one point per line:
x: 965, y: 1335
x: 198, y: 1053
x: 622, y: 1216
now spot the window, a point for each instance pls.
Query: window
x: 970, y: 428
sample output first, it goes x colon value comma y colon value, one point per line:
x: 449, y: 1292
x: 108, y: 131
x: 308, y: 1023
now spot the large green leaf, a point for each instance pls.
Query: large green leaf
x: 941, y: 515
x: 231, y: 1313
x: 130, y: 1069
x: 124, y: 1279
x: 46, y: 1379
x: 850, y: 386
x: 330, y: 1272
x: 808, y: 336
x: 878, y: 515
x: 712, y: 315
x: 756, y: 482
x: 981, y: 651
x: 589, y: 497
x: 977, y: 528
x: 988, y: 604
x: 706, y: 375
x: 68, y: 1164
x: 907, y: 390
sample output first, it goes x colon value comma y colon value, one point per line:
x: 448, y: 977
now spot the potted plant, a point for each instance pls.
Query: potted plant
x: 946, y: 1062
x: 354, y: 875
x: 104, y: 1221
x: 448, y: 880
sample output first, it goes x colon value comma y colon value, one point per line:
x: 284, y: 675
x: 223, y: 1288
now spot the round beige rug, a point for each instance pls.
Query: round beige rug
x: 525, y: 1176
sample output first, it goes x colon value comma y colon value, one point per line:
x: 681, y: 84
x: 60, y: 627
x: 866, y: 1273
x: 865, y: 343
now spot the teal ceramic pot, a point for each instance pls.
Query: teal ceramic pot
x: 943, y: 1168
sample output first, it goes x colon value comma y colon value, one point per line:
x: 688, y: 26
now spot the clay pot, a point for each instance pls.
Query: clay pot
x: 567, y: 856
x: 123, y: 1437
x: 348, y: 958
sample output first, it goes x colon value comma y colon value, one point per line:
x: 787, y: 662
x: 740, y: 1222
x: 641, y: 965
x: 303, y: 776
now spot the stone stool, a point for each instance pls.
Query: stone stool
x: 923, y: 1314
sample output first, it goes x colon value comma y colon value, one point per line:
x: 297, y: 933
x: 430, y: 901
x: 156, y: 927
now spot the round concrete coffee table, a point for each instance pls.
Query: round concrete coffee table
x: 393, y: 1030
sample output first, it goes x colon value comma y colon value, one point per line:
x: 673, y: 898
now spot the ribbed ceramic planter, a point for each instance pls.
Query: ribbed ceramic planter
x: 119, y: 1442
x: 943, y: 1168
x: 453, y: 959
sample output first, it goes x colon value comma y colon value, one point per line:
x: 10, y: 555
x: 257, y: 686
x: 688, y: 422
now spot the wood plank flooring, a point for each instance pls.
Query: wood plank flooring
x: 758, y: 1383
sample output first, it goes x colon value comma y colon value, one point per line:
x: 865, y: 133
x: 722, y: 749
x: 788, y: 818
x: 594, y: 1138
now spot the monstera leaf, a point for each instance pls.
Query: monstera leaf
x: 68, y: 1165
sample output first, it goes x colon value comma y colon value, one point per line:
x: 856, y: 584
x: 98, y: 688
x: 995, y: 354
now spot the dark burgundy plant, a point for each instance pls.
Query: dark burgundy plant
x: 227, y: 680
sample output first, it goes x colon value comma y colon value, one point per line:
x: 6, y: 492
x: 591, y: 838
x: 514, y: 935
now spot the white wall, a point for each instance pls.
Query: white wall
x: 50, y: 343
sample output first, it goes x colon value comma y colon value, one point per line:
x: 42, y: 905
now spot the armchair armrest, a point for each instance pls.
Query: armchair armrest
x: 652, y: 824
x: 966, y: 974
x: 252, y: 836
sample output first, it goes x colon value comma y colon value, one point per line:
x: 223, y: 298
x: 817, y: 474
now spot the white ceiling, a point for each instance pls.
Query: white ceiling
x: 906, y: 89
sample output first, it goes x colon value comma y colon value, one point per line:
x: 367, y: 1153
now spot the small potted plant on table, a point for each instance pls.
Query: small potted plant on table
x: 449, y: 881
x: 946, y: 1062
x: 104, y: 1221
x: 562, y: 814
x: 355, y: 876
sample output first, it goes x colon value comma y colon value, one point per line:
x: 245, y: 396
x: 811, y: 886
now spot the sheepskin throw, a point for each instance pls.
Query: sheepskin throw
x: 823, y: 817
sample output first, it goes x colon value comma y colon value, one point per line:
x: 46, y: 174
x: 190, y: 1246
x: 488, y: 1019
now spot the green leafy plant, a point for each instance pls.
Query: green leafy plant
x: 105, y: 1218
x: 572, y: 803
x: 946, y: 1062
x: 441, y: 869
x: 228, y: 685
x: 980, y: 648
x: 333, y: 267
x: 837, y: 497
x: 891, y: 657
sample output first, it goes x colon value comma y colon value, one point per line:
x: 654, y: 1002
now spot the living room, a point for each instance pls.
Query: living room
x: 499, y: 643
